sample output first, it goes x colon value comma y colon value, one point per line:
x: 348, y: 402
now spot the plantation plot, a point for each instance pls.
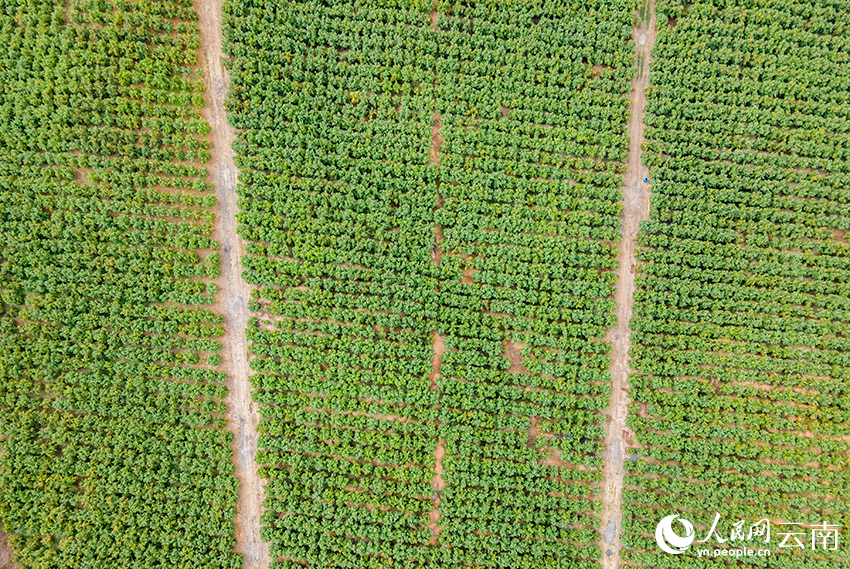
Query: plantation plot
x: 335, y: 112
x: 113, y: 452
x: 436, y: 200
x: 534, y: 105
x: 430, y: 311
x: 740, y: 339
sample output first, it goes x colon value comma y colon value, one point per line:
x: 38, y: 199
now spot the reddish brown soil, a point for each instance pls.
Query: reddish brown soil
x: 635, y: 209
x: 436, y: 139
x: 438, y: 485
x: 437, y: 360
x: 512, y: 353
x: 234, y: 293
x: 6, y: 553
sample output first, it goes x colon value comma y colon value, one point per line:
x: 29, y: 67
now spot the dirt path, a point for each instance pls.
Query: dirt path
x: 439, y: 340
x: 436, y: 360
x: 635, y: 209
x: 6, y: 552
x: 438, y: 485
x: 232, y: 300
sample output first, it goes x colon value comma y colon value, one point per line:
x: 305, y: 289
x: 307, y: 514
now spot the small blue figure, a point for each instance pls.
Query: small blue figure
x: 646, y: 180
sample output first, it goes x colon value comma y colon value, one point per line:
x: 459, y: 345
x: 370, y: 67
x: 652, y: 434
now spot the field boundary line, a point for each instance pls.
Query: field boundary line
x: 234, y: 293
x: 438, y: 340
x: 635, y: 210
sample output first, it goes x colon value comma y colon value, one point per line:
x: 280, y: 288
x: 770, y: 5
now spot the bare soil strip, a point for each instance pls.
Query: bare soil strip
x: 635, y: 209
x: 6, y: 552
x: 439, y: 341
x: 437, y: 360
x: 438, y: 485
x: 234, y: 293
x: 436, y: 138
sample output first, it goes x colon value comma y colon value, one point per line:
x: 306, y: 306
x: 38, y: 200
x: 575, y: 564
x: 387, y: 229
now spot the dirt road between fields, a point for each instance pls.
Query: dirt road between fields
x: 233, y: 296
x: 635, y: 209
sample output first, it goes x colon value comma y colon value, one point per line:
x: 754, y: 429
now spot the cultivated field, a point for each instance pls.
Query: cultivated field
x: 368, y: 284
x: 430, y: 200
x: 740, y: 339
x: 113, y: 451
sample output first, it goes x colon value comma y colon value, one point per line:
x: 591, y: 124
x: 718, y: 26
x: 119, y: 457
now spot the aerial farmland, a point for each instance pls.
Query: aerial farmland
x: 403, y: 284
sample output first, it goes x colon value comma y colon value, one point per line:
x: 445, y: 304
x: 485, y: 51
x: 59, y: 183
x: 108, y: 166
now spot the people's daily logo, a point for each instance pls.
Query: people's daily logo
x: 675, y: 535
x: 667, y: 538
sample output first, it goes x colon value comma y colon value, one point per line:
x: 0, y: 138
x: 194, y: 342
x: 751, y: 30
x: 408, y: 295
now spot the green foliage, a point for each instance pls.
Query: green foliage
x: 113, y: 448
x: 341, y: 204
x: 740, y: 346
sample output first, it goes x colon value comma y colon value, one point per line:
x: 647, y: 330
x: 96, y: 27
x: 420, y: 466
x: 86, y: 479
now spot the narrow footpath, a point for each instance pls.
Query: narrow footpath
x: 233, y: 296
x: 635, y: 209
